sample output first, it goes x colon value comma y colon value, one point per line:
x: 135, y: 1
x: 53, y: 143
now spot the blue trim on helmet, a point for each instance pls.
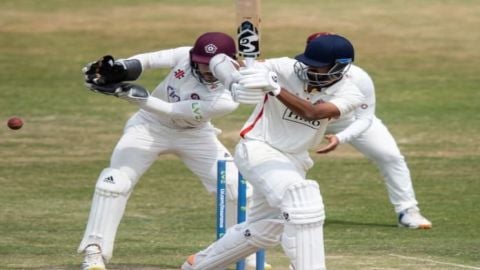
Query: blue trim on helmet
x: 344, y: 60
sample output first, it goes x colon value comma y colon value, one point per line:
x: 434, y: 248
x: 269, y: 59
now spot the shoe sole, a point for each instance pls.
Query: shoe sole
x: 96, y: 268
x: 419, y: 227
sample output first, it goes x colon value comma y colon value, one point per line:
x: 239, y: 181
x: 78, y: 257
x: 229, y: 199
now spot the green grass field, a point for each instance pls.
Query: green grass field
x: 423, y: 56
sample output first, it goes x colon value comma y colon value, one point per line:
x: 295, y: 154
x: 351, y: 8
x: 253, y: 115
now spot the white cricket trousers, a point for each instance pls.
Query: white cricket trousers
x: 270, y: 172
x: 143, y: 142
x: 273, y: 174
x: 378, y: 145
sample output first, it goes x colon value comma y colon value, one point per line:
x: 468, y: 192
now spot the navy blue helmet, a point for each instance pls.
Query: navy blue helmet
x: 330, y: 51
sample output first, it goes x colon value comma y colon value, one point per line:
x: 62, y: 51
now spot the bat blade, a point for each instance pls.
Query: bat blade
x: 248, y: 31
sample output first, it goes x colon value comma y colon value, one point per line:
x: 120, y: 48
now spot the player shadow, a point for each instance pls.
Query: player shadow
x: 115, y: 267
x: 329, y: 222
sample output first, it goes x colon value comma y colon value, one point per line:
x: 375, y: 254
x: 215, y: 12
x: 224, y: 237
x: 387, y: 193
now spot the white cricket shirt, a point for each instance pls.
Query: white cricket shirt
x: 351, y: 125
x: 194, y: 103
x: 275, y: 124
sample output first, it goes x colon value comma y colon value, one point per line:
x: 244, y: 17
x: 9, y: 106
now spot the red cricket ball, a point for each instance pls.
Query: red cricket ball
x: 15, y: 123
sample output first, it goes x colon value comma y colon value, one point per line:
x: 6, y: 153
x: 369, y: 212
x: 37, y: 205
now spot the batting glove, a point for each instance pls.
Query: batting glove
x: 224, y: 69
x: 260, y: 78
x: 243, y: 95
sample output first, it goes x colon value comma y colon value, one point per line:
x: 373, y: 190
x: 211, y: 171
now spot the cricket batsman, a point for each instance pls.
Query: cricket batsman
x: 296, y: 100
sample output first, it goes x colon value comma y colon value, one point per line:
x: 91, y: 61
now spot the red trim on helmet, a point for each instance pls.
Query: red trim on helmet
x: 318, y: 34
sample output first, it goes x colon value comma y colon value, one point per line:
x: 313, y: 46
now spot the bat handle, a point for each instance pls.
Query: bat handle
x: 249, y: 61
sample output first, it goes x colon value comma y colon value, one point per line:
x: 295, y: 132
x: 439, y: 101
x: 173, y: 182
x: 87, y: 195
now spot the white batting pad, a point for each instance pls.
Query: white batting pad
x: 108, y: 205
x: 302, y: 239
x: 240, y: 241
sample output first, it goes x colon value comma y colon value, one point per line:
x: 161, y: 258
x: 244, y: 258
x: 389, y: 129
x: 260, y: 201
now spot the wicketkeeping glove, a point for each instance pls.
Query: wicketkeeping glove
x: 128, y: 91
x: 105, y: 71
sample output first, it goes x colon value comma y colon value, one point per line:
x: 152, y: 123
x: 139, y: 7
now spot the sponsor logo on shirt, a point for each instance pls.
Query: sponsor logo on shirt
x: 172, y: 95
x: 197, y: 113
x: 195, y: 96
x: 292, y: 117
x: 179, y: 73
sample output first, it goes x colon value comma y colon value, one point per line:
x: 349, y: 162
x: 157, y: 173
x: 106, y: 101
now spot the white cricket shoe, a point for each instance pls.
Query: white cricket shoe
x: 93, y: 258
x: 411, y: 218
x: 188, y: 264
x: 251, y: 262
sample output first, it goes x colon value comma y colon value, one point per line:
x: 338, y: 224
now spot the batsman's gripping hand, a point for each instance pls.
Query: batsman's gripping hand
x: 131, y: 92
x: 105, y: 71
x: 243, y: 95
x: 225, y: 70
x: 252, y: 78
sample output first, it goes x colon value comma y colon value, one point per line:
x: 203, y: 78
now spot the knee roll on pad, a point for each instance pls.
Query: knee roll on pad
x: 108, y: 205
x: 303, y: 204
x: 113, y: 182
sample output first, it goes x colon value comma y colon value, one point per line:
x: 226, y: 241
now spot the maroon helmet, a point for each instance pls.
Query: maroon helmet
x: 210, y: 44
x: 207, y: 46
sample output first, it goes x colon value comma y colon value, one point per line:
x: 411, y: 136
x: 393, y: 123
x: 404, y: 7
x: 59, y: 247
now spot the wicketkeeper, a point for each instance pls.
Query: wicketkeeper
x: 174, y: 118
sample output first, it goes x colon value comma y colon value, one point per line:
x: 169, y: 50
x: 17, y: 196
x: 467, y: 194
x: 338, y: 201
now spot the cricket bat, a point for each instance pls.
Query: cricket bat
x: 248, y: 31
